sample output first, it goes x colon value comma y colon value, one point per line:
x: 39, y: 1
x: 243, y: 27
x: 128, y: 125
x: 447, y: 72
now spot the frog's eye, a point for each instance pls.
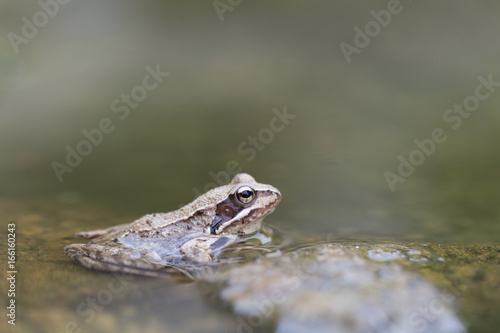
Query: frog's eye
x: 245, y: 194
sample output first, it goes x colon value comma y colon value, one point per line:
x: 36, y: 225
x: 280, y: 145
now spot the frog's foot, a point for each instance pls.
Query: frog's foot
x: 197, y: 250
x: 204, y: 249
x: 100, y: 232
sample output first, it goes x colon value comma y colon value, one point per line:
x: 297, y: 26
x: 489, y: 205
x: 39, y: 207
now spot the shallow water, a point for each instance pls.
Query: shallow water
x: 229, y: 82
x: 54, y: 293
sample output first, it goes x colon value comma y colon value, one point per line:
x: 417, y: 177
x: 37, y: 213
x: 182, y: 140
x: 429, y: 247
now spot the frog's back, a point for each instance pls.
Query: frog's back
x: 192, y: 215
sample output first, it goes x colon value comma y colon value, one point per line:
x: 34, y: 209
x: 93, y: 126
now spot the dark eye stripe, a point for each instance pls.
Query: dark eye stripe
x: 226, y: 210
x: 215, y: 225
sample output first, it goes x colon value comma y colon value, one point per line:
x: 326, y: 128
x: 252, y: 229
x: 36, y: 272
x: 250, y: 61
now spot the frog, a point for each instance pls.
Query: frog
x: 185, y: 239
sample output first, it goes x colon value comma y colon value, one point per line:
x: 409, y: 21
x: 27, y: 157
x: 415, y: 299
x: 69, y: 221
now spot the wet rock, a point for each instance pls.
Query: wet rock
x: 335, y: 288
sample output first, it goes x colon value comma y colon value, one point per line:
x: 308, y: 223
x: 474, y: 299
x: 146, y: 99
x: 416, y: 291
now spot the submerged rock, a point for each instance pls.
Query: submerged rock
x: 335, y: 288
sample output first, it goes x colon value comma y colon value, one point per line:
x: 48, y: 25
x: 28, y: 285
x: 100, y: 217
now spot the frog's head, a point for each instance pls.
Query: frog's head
x: 245, y: 206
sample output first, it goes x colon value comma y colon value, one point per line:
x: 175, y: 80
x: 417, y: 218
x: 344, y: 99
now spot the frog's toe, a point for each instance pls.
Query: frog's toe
x: 90, y: 256
x: 75, y: 250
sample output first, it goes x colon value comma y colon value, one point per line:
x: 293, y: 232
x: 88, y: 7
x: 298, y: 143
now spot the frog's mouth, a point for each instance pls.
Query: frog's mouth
x: 235, y: 224
x: 247, y: 222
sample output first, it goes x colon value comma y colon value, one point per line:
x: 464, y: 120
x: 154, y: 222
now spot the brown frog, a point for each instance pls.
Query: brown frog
x: 185, y: 239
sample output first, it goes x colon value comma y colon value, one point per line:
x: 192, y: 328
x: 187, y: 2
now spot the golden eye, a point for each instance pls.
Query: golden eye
x: 245, y: 194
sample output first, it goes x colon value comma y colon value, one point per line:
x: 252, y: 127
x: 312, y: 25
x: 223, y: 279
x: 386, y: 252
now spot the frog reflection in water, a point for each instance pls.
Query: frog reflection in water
x: 187, y: 238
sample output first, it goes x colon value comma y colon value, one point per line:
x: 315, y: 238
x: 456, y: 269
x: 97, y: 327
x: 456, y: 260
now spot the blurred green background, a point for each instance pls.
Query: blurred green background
x: 352, y: 121
x: 229, y: 67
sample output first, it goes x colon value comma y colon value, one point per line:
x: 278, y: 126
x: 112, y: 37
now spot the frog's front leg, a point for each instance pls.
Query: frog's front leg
x: 100, y: 232
x: 203, y: 249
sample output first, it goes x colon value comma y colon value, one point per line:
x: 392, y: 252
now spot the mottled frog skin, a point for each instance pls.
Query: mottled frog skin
x: 185, y: 239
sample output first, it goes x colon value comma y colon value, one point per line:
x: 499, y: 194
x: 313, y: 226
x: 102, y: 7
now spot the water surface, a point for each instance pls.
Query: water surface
x: 349, y: 124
